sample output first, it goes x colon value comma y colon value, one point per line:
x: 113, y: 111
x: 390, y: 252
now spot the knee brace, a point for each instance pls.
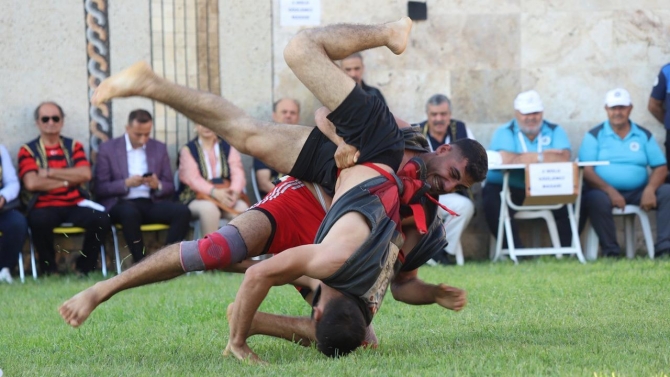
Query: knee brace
x: 216, y: 251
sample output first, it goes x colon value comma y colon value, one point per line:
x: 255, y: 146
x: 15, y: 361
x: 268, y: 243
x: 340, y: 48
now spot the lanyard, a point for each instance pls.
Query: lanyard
x: 523, y: 142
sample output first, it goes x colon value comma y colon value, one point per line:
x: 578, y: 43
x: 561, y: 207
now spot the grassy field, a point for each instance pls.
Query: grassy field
x: 542, y: 317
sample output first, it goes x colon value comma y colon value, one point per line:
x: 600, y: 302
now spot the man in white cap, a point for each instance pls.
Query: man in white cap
x: 630, y: 149
x: 527, y: 138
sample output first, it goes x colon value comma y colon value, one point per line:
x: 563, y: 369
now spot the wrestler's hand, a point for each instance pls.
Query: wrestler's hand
x: 451, y: 298
x: 346, y: 156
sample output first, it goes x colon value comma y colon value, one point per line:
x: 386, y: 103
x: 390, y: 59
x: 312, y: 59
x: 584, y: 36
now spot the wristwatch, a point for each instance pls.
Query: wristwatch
x: 540, y: 157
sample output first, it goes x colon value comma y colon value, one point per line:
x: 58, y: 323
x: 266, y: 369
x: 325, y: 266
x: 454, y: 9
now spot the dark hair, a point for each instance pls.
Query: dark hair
x: 341, y: 328
x: 140, y: 116
x: 355, y: 55
x: 478, y: 161
x: 274, y: 105
x: 438, y: 99
x: 37, y: 109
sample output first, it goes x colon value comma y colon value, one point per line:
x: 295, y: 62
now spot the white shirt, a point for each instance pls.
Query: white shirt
x: 137, y: 165
x: 10, y: 181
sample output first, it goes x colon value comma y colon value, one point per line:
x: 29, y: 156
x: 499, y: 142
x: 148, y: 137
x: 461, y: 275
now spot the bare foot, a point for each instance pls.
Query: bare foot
x: 75, y: 310
x: 243, y: 353
x: 129, y: 82
x: 400, y: 35
x: 370, y: 338
x: 451, y: 297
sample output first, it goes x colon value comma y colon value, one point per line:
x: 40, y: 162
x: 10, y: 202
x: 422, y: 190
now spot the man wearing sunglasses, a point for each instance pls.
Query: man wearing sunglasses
x: 54, y: 172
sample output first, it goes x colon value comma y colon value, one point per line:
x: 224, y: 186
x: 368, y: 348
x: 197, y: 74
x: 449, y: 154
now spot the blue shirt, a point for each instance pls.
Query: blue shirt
x: 628, y: 157
x: 661, y: 92
x: 506, y: 138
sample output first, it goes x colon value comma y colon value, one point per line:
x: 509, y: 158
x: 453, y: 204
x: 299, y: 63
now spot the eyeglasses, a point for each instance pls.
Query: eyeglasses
x: 55, y: 118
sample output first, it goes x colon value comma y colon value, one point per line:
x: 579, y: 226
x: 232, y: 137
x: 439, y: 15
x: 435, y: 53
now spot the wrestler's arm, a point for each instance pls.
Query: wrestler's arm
x: 317, y: 261
x: 259, y: 278
x: 408, y: 288
x: 303, y: 281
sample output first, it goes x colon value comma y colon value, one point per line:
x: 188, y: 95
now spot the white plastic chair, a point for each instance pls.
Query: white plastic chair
x: 629, y: 212
x: 458, y: 253
x: 548, y: 217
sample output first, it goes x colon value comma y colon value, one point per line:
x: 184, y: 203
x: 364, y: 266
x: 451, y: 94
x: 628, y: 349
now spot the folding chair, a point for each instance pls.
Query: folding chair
x: 548, y: 217
x: 629, y: 212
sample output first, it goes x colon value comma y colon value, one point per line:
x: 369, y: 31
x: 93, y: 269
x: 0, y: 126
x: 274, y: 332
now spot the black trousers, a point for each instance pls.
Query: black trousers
x: 491, y: 198
x: 132, y: 213
x: 667, y: 152
x: 14, y: 228
x: 42, y: 221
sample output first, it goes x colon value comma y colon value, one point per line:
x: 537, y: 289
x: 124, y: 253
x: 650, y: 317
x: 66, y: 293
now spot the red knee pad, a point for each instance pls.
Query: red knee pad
x: 214, y: 251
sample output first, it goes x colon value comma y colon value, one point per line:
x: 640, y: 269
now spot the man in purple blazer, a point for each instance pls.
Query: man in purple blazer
x: 133, y: 180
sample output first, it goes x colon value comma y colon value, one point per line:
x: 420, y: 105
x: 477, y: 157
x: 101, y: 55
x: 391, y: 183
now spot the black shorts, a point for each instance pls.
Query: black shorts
x: 363, y: 121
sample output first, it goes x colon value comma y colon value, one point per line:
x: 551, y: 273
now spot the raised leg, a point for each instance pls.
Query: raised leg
x: 162, y: 265
x: 311, y: 52
x: 246, y: 134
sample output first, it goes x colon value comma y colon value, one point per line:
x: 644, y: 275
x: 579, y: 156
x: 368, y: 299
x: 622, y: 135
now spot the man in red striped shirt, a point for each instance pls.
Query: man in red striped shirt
x: 53, y: 170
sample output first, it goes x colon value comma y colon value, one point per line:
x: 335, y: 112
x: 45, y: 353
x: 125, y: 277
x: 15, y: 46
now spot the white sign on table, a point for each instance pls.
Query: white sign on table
x: 551, y: 183
x: 300, y: 12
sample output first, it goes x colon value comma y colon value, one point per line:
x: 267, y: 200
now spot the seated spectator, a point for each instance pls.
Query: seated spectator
x: 13, y: 224
x: 630, y: 149
x: 54, y: 171
x: 287, y: 111
x: 211, y: 179
x: 353, y: 66
x: 528, y: 138
x: 134, y: 182
x: 441, y: 129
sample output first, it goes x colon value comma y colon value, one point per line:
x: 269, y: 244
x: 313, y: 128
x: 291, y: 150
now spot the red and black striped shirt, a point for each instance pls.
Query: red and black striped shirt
x: 61, y: 196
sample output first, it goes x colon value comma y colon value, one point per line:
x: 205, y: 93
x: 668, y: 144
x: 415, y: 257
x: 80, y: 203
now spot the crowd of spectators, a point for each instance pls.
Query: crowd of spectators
x: 133, y: 183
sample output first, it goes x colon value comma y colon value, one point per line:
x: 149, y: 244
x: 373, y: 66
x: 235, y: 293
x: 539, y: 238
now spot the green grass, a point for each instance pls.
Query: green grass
x: 542, y: 317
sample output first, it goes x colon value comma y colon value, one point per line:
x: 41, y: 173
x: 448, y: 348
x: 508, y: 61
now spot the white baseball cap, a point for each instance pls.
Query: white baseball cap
x: 528, y: 102
x: 617, y: 97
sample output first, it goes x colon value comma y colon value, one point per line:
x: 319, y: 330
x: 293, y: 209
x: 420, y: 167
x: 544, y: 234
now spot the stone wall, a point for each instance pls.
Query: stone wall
x: 479, y: 52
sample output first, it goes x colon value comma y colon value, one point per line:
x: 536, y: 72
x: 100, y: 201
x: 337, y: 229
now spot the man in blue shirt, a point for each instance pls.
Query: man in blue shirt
x: 526, y: 139
x: 659, y: 106
x: 630, y: 149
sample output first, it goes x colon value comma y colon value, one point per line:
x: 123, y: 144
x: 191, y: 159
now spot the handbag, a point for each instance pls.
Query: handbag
x: 223, y: 207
